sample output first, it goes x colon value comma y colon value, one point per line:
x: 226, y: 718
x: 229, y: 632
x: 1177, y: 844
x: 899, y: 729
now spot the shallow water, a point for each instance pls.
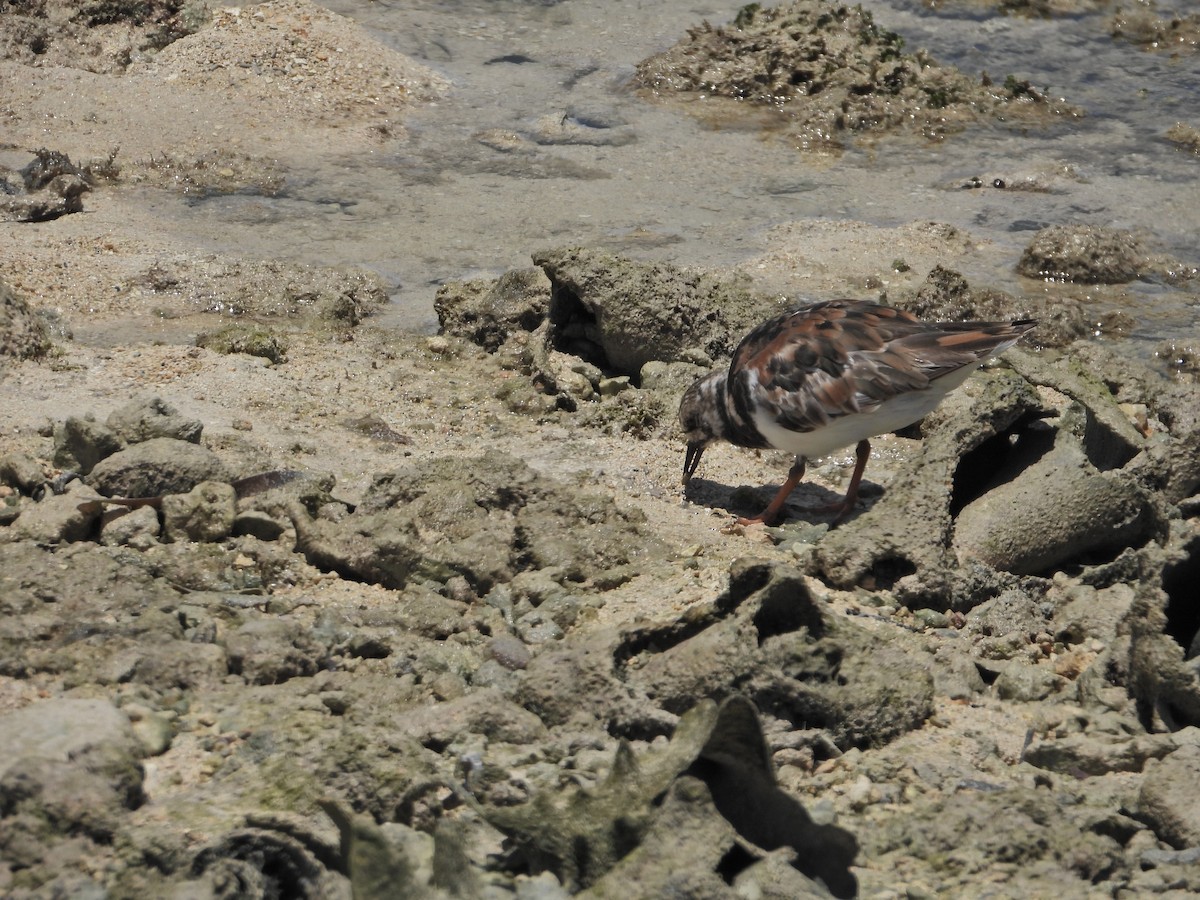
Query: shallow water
x: 649, y: 180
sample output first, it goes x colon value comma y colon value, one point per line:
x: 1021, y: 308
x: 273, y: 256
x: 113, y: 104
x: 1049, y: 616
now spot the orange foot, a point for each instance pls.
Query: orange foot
x: 758, y: 520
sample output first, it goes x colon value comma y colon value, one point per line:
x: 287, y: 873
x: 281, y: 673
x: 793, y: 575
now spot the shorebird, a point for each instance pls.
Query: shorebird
x: 829, y: 375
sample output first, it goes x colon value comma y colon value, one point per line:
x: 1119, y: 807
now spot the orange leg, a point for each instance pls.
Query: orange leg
x: 770, y: 515
x: 843, y: 508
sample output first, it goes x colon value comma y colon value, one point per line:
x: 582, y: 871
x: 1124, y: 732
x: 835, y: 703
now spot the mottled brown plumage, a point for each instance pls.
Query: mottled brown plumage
x: 832, y: 374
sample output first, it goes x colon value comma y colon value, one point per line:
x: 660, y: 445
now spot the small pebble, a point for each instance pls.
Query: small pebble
x: 509, y: 651
x: 931, y: 618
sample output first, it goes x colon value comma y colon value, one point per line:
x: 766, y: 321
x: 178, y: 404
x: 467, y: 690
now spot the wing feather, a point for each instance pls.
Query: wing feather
x: 818, y: 363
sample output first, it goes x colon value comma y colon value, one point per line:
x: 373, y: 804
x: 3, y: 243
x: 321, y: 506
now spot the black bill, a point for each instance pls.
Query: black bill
x: 691, y: 460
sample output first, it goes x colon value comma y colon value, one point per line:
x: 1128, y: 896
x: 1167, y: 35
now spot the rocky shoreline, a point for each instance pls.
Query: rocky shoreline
x: 307, y: 607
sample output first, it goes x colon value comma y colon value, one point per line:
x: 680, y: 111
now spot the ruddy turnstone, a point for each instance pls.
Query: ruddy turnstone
x: 829, y: 375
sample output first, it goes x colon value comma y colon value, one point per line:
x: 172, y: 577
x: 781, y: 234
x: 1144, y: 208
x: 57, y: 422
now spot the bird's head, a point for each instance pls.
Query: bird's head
x: 701, y: 419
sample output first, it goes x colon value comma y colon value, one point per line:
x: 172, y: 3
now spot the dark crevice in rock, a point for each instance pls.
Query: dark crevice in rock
x: 1120, y: 826
x: 572, y: 322
x: 1179, y: 581
x: 998, y: 460
x: 261, y: 863
x: 1176, y: 716
x: 890, y: 569
x: 641, y: 727
x: 437, y: 745
x: 747, y: 577
x: 987, y: 673
x: 787, y: 606
x: 1096, y: 558
x: 735, y: 861
x: 656, y: 640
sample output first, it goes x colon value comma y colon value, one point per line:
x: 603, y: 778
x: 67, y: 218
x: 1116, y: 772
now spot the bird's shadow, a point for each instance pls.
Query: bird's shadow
x: 810, y: 502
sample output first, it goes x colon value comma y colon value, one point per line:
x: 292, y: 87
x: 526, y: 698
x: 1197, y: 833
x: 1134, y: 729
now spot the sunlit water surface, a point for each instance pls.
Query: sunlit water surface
x: 652, y: 181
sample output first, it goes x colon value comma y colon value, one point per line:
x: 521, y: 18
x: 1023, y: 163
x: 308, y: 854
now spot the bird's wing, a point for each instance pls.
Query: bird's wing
x: 843, y: 357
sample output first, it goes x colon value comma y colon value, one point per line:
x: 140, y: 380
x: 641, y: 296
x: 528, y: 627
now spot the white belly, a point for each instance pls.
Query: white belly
x: 848, y: 430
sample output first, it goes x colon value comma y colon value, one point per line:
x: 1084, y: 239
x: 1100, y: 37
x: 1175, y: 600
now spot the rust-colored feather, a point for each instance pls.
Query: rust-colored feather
x: 844, y: 357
